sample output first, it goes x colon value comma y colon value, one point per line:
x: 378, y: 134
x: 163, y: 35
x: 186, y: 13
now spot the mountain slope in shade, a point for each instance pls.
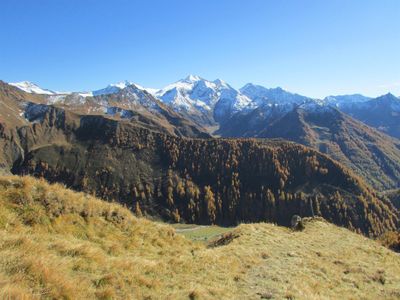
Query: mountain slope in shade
x: 382, y: 113
x: 187, y: 180
x: 251, y: 123
x: 372, y: 154
x: 268, y: 105
x: 393, y: 196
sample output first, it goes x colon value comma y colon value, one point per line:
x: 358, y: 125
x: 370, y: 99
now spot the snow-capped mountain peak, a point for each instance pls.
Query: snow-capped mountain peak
x: 278, y: 95
x: 32, y: 88
x: 117, y: 87
x: 342, y: 100
x: 317, y: 106
x: 122, y: 84
x: 112, y: 88
x: 192, y: 78
x: 195, y: 94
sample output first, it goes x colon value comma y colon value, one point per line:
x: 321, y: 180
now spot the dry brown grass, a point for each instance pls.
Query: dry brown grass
x: 391, y: 240
x: 321, y: 262
x: 55, y: 243
x: 59, y: 244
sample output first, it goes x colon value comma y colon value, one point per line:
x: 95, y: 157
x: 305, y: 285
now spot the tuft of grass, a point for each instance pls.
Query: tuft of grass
x: 391, y: 240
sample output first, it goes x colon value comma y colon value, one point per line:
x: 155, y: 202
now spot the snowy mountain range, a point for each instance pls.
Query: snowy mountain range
x: 194, y: 93
x: 209, y: 103
x: 262, y: 95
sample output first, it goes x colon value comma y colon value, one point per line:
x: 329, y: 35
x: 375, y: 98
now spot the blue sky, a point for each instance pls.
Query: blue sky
x: 311, y: 47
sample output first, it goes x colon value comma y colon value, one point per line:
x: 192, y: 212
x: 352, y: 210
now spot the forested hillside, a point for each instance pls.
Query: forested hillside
x: 197, y: 180
x: 394, y: 197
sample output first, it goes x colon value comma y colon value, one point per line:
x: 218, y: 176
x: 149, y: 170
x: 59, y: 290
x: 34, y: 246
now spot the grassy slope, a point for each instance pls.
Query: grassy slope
x: 323, y: 261
x: 55, y: 243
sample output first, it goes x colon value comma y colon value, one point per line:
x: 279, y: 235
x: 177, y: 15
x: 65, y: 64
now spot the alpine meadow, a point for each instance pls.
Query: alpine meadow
x: 280, y: 179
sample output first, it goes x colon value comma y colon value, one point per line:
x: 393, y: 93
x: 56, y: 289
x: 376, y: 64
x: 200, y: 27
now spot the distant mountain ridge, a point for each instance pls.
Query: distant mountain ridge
x: 222, y: 110
x: 130, y: 104
x: 340, y: 100
x: 253, y: 91
x: 262, y: 95
x: 210, y: 103
x: 382, y: 113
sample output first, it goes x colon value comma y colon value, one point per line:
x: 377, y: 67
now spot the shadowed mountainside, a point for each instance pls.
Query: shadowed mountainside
x: 372, y: 154
x: 383, y: 113
x: 368, y: 152
x: 394, y: 197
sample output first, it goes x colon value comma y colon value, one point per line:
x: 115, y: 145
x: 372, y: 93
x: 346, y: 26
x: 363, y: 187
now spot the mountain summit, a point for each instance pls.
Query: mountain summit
x: 117, y: 87
x: 261, y: 95
x: 32, y: 88
x: 202, y: 99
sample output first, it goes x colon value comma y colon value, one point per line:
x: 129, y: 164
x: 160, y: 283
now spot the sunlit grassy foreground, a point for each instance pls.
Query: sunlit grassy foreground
x: 55, y: 243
